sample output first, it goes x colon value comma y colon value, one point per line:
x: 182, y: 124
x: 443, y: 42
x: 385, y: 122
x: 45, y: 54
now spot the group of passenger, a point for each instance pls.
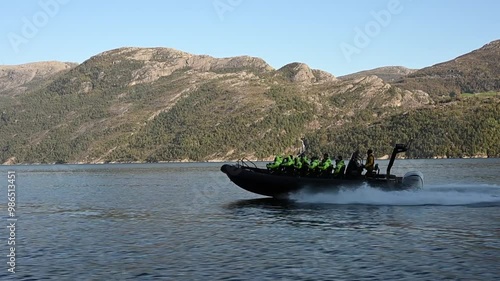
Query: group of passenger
x: 302, y: 165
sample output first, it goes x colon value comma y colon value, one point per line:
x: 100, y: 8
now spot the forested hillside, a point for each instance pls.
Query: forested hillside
x: 159, y: 104
x: 466, y: 128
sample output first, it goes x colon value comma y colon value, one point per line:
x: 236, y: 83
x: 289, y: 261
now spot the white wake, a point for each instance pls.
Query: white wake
x: 447, y: 195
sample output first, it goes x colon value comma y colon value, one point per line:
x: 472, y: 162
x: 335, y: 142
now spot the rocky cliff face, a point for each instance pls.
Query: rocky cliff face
x: 162, y: 62
x: 14, y: 79
x: 302, y: 73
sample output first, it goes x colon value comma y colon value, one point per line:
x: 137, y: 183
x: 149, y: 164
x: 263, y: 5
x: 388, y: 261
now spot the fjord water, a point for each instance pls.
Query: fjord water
x: 187, y: 221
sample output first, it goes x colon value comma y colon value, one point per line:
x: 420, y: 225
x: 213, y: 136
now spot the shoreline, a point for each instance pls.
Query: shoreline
x: 215, y: 161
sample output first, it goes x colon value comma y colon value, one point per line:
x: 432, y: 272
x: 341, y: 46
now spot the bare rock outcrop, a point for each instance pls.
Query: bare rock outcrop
x: 161, y: 62
x: 301, y: 72
x: 13, y: 78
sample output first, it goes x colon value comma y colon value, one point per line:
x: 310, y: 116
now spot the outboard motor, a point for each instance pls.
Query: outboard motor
x: 413, y: 180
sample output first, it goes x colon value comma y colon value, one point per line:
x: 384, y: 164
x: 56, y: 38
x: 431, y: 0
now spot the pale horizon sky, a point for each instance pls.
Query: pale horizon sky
x: 339, y: 37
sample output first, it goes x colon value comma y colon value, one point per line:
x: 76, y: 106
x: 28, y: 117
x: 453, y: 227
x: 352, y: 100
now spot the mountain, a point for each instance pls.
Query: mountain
x: 386, y: 73
x: 162, y: 104
x: 16, y: 79
x: 300, y: 72
x: 475, y: 72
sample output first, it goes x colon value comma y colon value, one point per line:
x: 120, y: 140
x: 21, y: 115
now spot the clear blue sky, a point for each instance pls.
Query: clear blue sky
x: 340, y: 37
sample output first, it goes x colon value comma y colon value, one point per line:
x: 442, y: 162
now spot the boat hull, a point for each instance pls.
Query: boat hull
x: 263, y: 182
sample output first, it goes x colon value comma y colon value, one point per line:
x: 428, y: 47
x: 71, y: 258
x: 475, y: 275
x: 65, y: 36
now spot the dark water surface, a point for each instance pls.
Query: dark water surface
x: 189, y: 222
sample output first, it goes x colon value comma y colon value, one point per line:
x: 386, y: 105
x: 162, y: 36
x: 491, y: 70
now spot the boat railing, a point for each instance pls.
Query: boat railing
x: 244, y: 162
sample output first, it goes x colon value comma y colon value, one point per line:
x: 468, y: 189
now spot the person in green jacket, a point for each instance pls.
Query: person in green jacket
x: 276, y: 163
x: 313, y: 167
x: 339, y: 167
x: 287, y: 164
x: 297, y: 164
x: 325, y: 167
x: 304, y: 165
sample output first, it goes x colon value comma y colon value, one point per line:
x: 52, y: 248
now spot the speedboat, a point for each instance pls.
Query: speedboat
x: 281, y: 184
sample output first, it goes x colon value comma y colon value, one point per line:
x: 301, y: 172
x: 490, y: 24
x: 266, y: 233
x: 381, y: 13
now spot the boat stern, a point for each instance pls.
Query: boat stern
x: 413, y: 180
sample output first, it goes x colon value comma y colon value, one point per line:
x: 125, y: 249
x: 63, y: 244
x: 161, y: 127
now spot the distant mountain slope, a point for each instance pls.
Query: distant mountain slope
x: 135, y: 104
x: 161, y: 104
x: 386, y: 73
x: 475, y: 72
x: 14, y: 78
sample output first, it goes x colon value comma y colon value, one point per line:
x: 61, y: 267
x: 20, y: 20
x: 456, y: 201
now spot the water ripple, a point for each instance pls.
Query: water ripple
x: 133, y: 222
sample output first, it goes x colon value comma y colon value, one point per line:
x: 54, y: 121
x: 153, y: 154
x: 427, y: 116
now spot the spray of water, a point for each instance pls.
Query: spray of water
x: 447, y: 195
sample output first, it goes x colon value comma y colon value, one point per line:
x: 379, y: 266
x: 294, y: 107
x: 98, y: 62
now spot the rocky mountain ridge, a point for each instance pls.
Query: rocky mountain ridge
x: 474, y: 72
x: 161, y: 104
x: 14, y: 79
x: 386, y: 73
